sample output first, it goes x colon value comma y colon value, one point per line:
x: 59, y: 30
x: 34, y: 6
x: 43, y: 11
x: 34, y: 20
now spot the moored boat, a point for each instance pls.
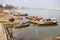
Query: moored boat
x: 21, y: 15
x: 33, y: 17
x: 57, y: 38
x: 18, y: 18
x: 44, y: 21
x: 22, y: 25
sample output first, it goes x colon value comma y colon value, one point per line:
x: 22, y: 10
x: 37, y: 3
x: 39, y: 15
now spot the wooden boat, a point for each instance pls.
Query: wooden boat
x: 21, y: 15
x: 33, y: 17
x: 18, y: 18
x: 44, y: 21
x: 57, y: 38
x: 22, y: 25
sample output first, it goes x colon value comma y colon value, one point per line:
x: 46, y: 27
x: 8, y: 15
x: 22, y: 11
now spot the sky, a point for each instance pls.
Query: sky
x: 33, y: 3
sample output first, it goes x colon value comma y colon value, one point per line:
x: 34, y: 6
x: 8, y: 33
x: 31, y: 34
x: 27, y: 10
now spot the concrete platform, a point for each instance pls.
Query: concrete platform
x: 2, y: 33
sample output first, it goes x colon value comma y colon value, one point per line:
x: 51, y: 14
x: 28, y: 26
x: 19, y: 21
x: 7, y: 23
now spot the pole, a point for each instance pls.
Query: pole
x: 37, y: 33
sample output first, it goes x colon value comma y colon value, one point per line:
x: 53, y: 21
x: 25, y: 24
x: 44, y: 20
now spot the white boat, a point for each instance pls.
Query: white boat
x: 44, y: 21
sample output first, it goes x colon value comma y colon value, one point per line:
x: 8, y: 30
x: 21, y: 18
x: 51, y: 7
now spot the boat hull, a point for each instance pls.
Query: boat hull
x: 43, y: 23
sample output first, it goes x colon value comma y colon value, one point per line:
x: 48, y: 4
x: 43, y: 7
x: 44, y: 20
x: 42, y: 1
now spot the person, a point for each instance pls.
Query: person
x: 11, y: 34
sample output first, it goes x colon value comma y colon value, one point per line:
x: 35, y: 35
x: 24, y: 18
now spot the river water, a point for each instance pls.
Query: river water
x: 35, y: 32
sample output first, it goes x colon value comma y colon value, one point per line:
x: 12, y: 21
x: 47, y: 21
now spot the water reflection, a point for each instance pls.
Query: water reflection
x: 53, y: 25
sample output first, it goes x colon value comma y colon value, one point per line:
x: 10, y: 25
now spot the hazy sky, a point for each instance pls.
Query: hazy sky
x: 34, y: 3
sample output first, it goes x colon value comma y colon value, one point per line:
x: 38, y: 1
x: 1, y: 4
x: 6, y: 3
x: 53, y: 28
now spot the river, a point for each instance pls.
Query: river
x: 35, y: 32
